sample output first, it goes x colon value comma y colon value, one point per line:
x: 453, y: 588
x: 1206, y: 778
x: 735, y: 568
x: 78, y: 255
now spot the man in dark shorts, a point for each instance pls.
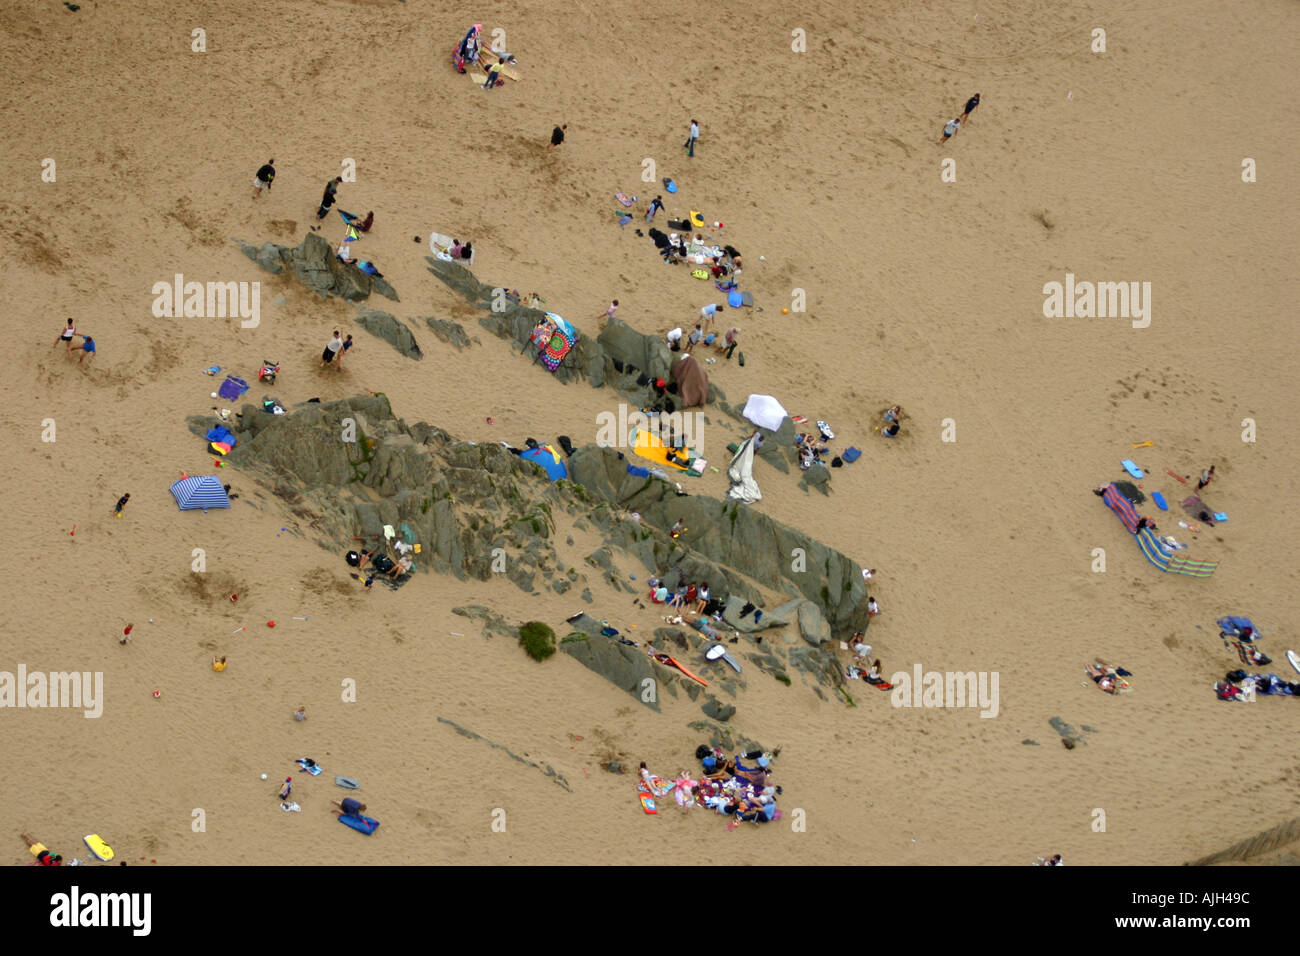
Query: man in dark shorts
x: 971, y: 103
x: 557, y: 136
x: 349, y: 806
x: 332, y: 349
x: 67, y: 335
x: 121, y: 503
x: 265, y: 176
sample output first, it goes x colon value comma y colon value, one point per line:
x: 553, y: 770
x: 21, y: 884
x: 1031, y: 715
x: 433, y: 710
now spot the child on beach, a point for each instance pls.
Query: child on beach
x: 121, y: 503
x: 949, y: 128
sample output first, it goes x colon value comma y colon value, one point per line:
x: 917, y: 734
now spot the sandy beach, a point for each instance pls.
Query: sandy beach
x: 826, y: 168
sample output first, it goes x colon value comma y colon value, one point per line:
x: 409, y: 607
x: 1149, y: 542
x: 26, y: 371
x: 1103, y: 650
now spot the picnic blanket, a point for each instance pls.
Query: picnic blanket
x: 560, y: 343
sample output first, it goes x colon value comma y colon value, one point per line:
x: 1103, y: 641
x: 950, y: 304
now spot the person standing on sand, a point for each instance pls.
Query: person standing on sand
x: 347, y: 344
x: 332, y: 349
x: 121, y: 503
x: 1206, y: 476
x: 609, y: 313
x: 265, y: 176
x: 67, y: 335
x: 949, y: 128
x: 692, y: 137
x: 656, y: 205
x: 557, y: 137
x: 327, y: 200
x: 971, y: 103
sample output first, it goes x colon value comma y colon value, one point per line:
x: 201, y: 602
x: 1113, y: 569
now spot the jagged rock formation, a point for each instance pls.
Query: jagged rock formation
x: 350, y: 467
x: 317, y: 267
x: 392, y: 330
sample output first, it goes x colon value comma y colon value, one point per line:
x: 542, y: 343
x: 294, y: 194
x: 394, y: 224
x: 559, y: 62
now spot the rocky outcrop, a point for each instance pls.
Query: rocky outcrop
x: 453, y: 333
x: 392, y: 330
x: 317, y: 267
x: 348, y: 468
x: 727, y: 541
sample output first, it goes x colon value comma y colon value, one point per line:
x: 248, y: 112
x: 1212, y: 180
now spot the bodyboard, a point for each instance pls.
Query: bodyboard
x: 356, y: 821
x: 101, y: 850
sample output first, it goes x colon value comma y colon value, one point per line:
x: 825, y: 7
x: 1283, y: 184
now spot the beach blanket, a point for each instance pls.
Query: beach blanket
x: 648, y: 446
x: 232, y: 388
x: 560, y: 342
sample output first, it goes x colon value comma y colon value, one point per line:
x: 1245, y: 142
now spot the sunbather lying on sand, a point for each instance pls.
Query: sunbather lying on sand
x: 1102, y: 678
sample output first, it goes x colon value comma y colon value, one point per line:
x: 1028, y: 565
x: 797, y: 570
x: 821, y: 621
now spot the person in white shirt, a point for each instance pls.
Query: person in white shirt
x: 675, y: 339
x: 331, y: 350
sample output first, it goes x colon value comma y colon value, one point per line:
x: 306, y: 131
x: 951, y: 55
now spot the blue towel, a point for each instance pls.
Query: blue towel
x: 638, y: 472
x: 851, y: 454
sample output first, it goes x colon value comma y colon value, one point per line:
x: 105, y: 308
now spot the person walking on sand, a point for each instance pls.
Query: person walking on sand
x: 265, y: 176
x: 327, y: 200
x: 332, y: 349
x: 1207, y: 476
x: 121, y: 503
x: 87, y: 347
x: 971, y: 103
x: 692, y: 137
x: 949, y: 128
x: 67, y: 335
x: 557, y: 137
x: 656, y: 205
x: 608, y: 313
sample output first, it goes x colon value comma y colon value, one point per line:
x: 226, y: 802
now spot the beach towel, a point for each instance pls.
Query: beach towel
x: 851, y: 455
x: 624, y: 199
x: 636, y: 471
x: 646, y: 445
x: 553, y: 351
x: 312, y: 768
x: 232, y: 388
x: 623, y: 218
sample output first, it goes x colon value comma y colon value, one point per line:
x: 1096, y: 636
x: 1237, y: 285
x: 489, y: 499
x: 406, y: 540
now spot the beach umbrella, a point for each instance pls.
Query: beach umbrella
x: 200, y: 492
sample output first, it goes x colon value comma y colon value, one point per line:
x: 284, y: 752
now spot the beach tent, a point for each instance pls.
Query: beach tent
x: 201, y: 492
x: 549, y: 459
x: 741, y: 474
x: 765, y: 412
x: 692, y: 382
